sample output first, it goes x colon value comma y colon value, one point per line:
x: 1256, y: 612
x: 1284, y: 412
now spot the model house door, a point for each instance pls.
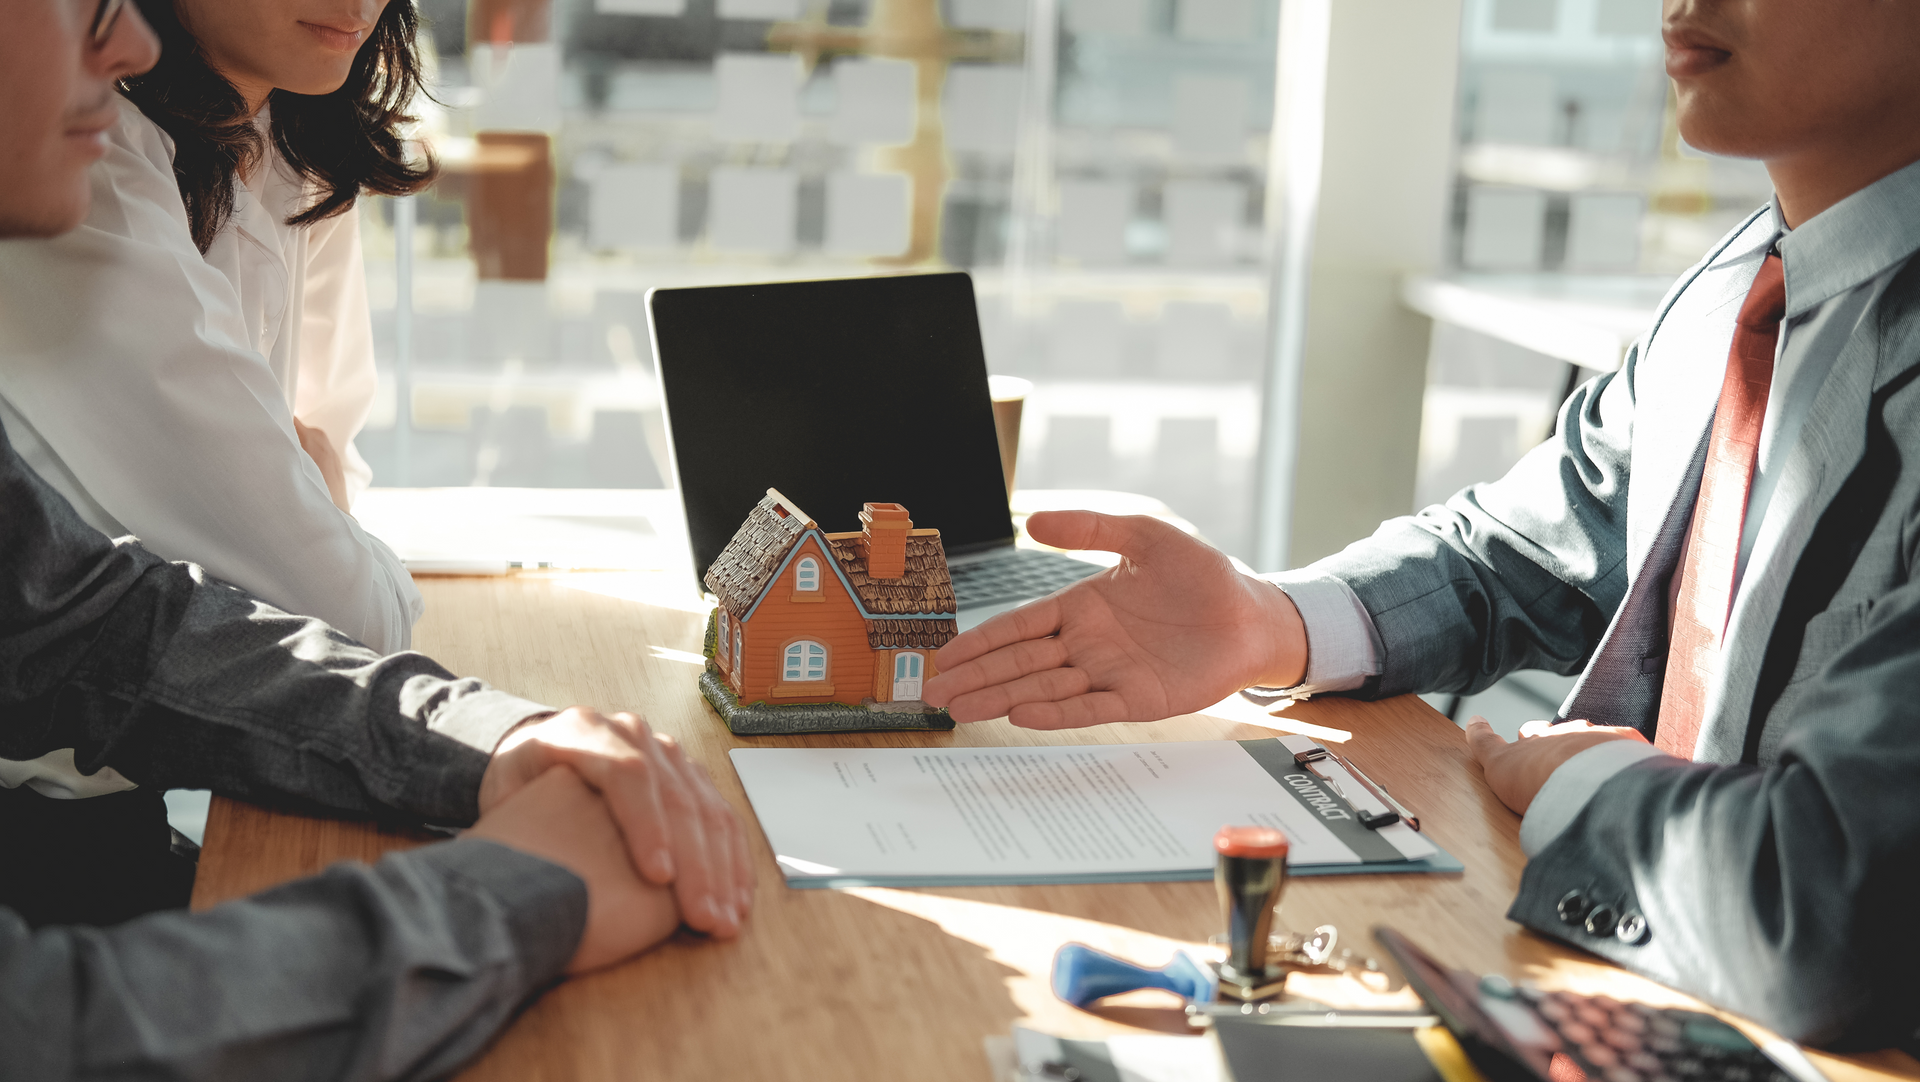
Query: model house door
x: 906, y: 677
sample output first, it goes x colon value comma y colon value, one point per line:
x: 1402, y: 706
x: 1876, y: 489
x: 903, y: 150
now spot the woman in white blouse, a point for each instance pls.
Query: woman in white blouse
x: 192, y: 364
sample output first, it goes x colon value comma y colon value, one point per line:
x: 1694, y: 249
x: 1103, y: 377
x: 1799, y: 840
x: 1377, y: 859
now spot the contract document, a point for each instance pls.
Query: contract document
x: 1102, y: 813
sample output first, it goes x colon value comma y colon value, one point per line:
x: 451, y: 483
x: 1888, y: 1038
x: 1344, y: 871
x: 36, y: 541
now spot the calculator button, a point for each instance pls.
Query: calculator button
x: 1621, y: 1039
x: 1578, y: 1032
x: 1621, y: 1074
x: 1664, y: 1026
x: 1599, y: 1055
x: 1663, y: 1044
x: 1592, y: 1015
x: 1553, y: 1011
x: 1629, y: 1021
x: 1644, y: 1061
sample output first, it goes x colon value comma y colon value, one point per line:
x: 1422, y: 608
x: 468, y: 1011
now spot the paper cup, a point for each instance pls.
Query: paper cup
x: 1009, y: 396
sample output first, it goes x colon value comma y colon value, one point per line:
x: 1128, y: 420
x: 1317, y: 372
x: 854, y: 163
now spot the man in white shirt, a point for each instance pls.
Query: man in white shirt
x: 1719, y: 537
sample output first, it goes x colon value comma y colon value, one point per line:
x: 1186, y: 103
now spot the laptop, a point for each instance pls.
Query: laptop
x: 839, y: 393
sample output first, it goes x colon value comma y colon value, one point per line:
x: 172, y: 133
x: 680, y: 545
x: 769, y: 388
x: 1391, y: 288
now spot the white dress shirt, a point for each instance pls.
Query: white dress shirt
x: 1836, y: 266
x: 155, y: 388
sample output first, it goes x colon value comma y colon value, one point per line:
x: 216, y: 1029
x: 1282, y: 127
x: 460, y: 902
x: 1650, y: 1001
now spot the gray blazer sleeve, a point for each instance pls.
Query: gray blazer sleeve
x: 1781, y: 892
x: 178, y: 680
x: 1520, y: 573
x: 403, y: 970
x: 398, y: 971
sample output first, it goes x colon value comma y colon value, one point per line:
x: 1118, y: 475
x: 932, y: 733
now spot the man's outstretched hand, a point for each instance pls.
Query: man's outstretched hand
x: 677, y: 828
x: 1171, y: 629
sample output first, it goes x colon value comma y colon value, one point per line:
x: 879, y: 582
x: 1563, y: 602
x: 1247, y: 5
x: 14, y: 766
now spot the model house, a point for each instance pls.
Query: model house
x: 807, y: 616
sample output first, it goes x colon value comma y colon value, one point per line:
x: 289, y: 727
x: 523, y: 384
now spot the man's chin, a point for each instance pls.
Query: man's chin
x: 1718, y: 131
x: 51, y: 214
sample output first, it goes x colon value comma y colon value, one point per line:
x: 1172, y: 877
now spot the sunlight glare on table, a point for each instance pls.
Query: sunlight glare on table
x: 662, y: 589
x: 1234, y: 708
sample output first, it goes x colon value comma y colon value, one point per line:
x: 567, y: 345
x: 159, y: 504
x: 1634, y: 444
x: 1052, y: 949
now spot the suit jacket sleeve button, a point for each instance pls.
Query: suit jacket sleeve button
x: 1601, y: 921
x: 1633, y: 929
x: 1573, y: 907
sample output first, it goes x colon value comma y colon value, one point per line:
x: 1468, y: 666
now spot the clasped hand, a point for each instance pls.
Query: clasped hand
x: 672, y: 825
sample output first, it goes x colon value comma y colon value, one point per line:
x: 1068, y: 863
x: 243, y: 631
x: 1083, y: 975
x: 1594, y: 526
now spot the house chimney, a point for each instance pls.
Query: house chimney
x: 883, y: 539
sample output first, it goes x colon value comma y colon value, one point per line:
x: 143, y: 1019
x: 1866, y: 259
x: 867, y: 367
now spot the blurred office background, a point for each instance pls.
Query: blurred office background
x: 1287, y: 283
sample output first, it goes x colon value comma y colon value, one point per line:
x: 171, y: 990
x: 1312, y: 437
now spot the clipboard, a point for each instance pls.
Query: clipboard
x: 1082, y: 813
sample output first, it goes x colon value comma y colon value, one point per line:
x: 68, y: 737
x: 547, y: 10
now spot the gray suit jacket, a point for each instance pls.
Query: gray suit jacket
x: 1769, y: 872
x: 402, y: 970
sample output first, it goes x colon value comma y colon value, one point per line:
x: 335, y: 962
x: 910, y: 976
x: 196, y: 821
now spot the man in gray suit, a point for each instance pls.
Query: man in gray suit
x: 1719, y: 537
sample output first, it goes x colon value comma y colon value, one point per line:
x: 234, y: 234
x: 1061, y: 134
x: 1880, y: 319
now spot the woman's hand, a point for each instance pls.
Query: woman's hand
x: 319, y: 447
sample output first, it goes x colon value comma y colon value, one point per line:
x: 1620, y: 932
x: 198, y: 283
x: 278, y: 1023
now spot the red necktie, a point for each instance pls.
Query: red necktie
x: 1705, y: 599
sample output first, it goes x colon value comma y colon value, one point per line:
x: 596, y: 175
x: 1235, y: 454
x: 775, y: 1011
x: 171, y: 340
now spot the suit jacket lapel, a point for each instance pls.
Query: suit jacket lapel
x: 1829, y: 446
x: 1829, y: 449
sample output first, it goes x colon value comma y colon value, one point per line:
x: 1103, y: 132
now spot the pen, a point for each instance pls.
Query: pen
x: 1379, y: 791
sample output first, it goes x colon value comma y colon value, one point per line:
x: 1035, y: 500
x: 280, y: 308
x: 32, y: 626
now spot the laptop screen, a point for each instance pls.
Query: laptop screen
x: 837, y: 393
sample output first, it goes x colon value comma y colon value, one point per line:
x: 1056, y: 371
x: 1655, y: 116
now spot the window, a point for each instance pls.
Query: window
x: 807, y: 576
x: 806, y: 663
x: 1139, y: 221
x: 726, y: 634
x: 738, y: 651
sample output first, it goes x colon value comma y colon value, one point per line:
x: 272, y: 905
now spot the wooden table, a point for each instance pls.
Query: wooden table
x: 879, y: 983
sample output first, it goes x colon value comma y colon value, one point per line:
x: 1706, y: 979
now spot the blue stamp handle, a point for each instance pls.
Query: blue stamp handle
x: 1082, y: 975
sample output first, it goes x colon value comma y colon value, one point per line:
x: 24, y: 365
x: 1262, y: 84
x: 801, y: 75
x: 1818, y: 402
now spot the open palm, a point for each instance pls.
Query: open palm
x: 1173, y: 628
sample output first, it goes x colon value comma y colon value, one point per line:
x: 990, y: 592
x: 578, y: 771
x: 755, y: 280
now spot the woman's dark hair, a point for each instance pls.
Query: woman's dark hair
x: 344, y: 142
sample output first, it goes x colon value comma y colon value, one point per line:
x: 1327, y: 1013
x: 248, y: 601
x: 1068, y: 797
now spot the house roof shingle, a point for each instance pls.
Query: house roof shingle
x: 748, y: 563
x: 910, y: 634
x: 925, y: 588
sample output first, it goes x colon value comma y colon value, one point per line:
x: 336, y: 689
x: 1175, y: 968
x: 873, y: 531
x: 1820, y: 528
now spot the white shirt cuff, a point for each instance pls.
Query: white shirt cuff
x: 1571, y: 785
x: 1343, y: 649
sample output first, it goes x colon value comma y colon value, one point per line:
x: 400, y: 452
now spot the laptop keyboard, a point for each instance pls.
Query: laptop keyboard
x: 1014, y: 575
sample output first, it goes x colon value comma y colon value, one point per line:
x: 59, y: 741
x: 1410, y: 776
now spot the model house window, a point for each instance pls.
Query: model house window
x: 725, y: 636
x: 807, y: 576
x: 806, y: 663
x: 737, y: 650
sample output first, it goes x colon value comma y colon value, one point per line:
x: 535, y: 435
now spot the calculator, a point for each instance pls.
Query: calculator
x: 1522, y: 1034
